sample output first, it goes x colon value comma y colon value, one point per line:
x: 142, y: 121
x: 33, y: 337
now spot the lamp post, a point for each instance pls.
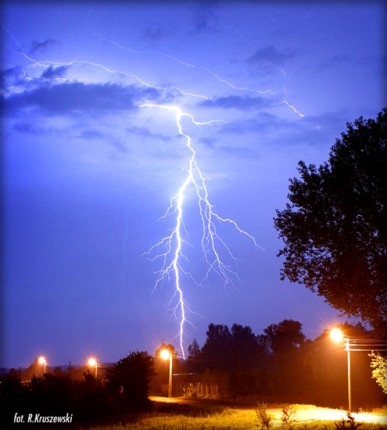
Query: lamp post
x: 356, y: 345
x: 92, y: 362
x: 348, y: 373
x: 43, y: 362
x: 165, y: 354
x: 337, y: 336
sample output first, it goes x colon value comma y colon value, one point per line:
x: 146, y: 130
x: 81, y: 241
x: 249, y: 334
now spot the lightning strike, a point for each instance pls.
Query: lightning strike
x: 234, y: 87
x: 170, y: 248
x: 148, y: 51
x: 220, y: 79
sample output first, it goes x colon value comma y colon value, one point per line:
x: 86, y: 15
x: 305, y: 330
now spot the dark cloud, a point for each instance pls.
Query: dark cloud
x: 55, y: 72
x: 270, y: 54
x: 352, y: 60
x: 237, y: 102
x: 239, y: 127
x: 42, y: 46
x: 25, y: 127
x: 11, y: 77
x: 311, y: 130
x: 261, y: 124
x: 205, y: 18
x: 16, y: 79
x: 78, y: 97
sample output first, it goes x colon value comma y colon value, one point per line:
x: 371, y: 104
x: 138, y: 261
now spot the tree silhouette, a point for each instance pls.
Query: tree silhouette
x: 335, y: 226
x: 52, y: 394
x: 235, y: 353
x: 283, y: 342
x: 129, y: 380
x: 216, y: 351
x: 194, y: 363
x: 284, y: 337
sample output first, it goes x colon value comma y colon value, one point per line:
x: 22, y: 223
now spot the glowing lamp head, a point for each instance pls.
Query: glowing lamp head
x: 165, y: 354
x: 336, y: 335
x: 92, y: 362
x: 42, y: 360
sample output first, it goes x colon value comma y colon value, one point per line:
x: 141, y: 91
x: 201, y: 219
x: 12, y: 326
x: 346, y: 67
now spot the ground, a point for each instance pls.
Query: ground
x: 304, y: 414
x: 184, y: 414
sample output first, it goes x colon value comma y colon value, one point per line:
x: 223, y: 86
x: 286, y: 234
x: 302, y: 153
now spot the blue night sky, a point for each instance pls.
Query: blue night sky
x: 90, y: 163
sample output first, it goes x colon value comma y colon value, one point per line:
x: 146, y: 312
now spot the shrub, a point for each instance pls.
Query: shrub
x: 288, y: 417
x: 349, y: 423
x: 265, y: 420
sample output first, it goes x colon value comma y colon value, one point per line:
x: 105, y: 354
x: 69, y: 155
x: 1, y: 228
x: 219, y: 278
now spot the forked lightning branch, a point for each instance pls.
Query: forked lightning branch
x: 170, y: 248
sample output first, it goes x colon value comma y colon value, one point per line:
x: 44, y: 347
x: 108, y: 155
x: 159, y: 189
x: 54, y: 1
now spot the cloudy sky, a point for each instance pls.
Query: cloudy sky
x: 108, y: 109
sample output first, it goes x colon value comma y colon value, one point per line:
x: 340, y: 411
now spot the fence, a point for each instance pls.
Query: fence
x: 196, y: 390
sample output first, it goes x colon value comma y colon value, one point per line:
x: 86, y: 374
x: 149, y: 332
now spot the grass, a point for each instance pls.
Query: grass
x: 226, y: 420
x: 190, y: 417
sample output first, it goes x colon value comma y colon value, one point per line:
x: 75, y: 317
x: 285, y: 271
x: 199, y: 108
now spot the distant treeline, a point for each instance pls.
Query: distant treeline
x: 281, y: 365
x: 116, y: 397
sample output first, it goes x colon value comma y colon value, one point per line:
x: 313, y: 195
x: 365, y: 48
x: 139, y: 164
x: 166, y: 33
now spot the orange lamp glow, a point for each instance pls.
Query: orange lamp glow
x: 165, y: 354
x: 336, y: 335
x: 42, y: 360
x: 92, y: 362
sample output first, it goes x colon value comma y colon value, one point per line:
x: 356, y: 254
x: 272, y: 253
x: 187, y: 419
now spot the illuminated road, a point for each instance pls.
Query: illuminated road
x: 303, y: 413
x: 307, y: 413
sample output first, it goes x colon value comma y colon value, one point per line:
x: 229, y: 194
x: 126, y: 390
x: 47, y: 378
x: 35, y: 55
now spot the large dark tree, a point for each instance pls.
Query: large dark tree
x: 194, y: 362
x: 129, y: 379
x: 234, y: 352
x: 335, y: 226
x: 217, y: 350
x: 284, y: 337
x: 283, y: 342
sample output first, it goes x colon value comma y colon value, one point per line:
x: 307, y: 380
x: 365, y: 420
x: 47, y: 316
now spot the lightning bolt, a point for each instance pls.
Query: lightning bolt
x: 170, y: 248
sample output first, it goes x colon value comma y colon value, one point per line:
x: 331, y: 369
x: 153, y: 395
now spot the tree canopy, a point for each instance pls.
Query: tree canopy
x: 335, y: 226
x: 282, y: 365
x: 129, y: 380
x: 283, y: 337
x: 379, y: 370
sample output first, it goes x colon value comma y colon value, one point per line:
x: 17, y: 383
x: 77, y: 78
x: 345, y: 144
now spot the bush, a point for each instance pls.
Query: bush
x: 265, y: 420
x: 288, y: 417
x: 349, y: 423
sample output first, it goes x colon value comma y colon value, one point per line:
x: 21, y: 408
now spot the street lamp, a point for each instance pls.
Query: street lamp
x: 43, y: 362
x: 356, y: 345
x: 165, y: 354
x: 338, y: 336
x: 92, y: 362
